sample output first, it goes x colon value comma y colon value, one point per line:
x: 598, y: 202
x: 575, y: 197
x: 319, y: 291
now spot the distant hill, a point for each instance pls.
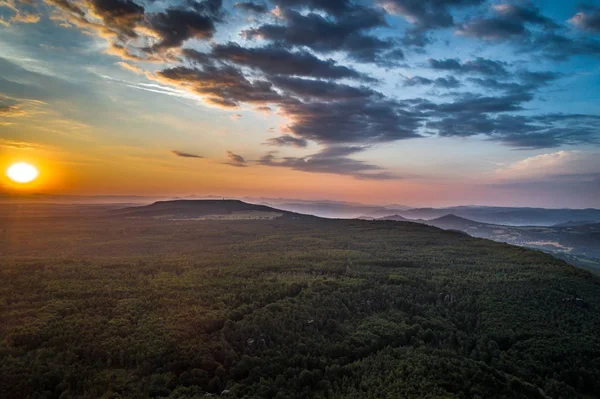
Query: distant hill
x: 396, y: 218
x: 452, y: 222
x: 575, y: 242
x: 575, y: 223
x: 194, y: 209
x: 507, y: 215
x: 329, y: 209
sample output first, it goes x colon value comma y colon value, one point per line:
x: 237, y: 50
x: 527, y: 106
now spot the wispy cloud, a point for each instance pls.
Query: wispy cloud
x: 130, y: 67
x: 185, y: 154
x: 235, y: 160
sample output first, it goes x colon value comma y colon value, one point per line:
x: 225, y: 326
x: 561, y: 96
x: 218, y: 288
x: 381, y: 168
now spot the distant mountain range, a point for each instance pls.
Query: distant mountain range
x: 507, y: 216
x: 515, y: 216
x: 575, y: 242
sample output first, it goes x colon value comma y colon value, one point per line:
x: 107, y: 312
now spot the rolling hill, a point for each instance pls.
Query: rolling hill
x: 577, y: 243
x: 506, y: 215
x: 148, y: 306
x: 191, y: 209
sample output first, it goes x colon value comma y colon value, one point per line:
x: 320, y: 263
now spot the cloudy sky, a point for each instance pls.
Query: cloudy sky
x: 420, y: 102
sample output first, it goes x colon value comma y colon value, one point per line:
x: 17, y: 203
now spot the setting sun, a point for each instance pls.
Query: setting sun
x: 22, y: 172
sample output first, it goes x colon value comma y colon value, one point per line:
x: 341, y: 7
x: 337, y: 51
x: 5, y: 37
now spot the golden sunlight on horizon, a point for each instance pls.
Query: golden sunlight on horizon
x: 22, y: 172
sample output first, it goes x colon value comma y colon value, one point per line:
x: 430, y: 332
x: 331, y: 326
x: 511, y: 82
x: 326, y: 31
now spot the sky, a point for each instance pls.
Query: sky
x: 416, y: 102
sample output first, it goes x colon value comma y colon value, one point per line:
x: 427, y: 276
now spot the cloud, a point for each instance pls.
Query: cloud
x: 235, y: 160
x: 528, y: 81
x: 479, y: 65
x: 492, y: 29
x: 130, y: 67
x: 542, y: 164
x: 174, y: 26
x: 510, y: 21
x: 427, y: 14
x: 297, y: 65
x: 277, y: 60
x: 372, y: 120
x: 20, y: 15
x: 251, y: 6
x: 26, y: 18
x: 319, y: 89
x: 526, y: 132
x: 287, y: 140
x: 333, y: 160
x: 135, y: 34
x: 346, y: 33
x: 185, y: 154
x: 19, y: 145
x: 526, y: 13
x: 264, y: 108
x: 11, y: 111
x: 225, y: 86
x: 559, y: 47
x: 449, y: 82
x: 572, y: 172
x: 332, y: 7
x: 588, y: 20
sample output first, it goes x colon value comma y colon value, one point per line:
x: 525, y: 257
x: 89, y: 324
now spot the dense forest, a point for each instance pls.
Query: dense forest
x: 287, y: 308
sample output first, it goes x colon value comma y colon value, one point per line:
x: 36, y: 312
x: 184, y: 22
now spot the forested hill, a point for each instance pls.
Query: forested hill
x: 200, y: 208
x: 288, y: 308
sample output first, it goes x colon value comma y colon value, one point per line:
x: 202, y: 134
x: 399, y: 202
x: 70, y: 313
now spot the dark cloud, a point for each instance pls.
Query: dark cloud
x: 588, y: 20
x: 235, y: 160
x: 185, y: 154
x: 251, y: 6
x: 287, y: 140
x: 448, y: 82
x: 334, y: 160
x: 333, y: 7
x: 174, y: 26
x: 481, y: 66
x: 224, y: 86
x: 120, y: 15
x: 497, y: 85
x: 528, y: 81
x: 277, y: 60
x: 427, y: 14
x: 320, y: 89
x: 449, y: 64
x: 68, y: 6
x: 560, y: 47
x: 493, y: 29
x: 509, y: 22
x: 264, y: 108
x: 325, y: 35
x: 372, y: 120
x: 527, y: 132
x: 417, y: 81
x: 485, y: 104
x: 526, y: 13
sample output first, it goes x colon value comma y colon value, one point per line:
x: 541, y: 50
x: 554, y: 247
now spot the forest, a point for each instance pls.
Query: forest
x: 107, y: 307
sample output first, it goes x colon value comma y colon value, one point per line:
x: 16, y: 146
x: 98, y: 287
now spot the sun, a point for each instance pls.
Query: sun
x: 22, y: 172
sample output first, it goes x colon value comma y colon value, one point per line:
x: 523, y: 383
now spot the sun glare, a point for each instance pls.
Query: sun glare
x: 22, y: 172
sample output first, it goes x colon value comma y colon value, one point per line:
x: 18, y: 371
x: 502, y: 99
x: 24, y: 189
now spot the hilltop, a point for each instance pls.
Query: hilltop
x: 396, y: 218
x: 203, y: 209
x: 452, y: 221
